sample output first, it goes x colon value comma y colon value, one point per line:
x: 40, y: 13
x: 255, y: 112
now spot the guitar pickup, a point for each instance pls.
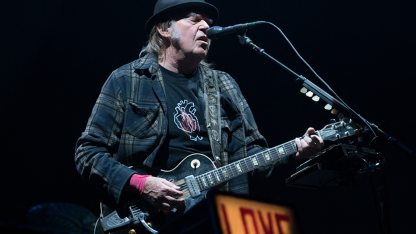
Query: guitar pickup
x: 193, y: 186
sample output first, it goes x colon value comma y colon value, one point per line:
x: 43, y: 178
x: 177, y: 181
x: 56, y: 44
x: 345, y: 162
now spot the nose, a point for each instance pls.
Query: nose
x: 203, y: 25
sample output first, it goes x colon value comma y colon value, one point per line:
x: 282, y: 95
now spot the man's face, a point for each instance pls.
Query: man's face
x: 188, y: 35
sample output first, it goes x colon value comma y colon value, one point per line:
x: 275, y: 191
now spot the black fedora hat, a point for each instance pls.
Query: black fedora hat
x: 166, y: 9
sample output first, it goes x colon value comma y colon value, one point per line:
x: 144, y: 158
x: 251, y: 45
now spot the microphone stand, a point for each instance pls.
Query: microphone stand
x: 339, y: 105
x: 322, y: 94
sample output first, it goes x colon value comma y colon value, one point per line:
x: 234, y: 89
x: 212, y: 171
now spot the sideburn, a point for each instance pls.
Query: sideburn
x: 174, y: 35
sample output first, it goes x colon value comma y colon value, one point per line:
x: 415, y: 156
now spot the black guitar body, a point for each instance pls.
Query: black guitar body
x: 194, y: 164
x: 130, y: 214
x: 196, y: 174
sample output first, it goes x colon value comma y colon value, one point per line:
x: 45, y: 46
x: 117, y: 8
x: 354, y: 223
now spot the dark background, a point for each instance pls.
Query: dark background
x: 57, y: 54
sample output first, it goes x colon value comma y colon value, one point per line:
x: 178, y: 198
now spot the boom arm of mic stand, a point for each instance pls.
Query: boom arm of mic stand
x: 335, y: 103
x: 322, y: 94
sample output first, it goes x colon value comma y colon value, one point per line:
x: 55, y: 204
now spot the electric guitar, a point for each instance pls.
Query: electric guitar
x: 197, y: 173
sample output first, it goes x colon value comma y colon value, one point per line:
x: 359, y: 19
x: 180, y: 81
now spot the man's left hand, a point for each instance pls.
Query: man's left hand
x: 309, y: 144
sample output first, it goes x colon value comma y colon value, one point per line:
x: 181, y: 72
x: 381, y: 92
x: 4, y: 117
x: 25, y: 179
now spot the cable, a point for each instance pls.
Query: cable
x: 95, y: 225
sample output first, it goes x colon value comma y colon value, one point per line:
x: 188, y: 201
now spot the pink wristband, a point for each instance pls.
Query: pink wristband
x: 137, y: 181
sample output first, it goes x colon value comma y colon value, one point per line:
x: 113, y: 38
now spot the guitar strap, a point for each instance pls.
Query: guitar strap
x: 213, y: 115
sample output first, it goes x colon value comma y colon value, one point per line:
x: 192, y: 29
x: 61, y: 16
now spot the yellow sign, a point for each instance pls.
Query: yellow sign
x: 244, y: 216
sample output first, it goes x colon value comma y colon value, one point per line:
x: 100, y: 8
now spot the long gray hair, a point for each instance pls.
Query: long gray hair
x: 156, y: 44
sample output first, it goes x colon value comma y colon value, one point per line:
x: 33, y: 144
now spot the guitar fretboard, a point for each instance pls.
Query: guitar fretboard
x: 276, y: 155
x: 270, y: 156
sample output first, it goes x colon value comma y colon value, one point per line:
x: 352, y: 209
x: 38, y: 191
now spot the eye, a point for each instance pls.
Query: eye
x: 198, y: 18
x: 193, y: 19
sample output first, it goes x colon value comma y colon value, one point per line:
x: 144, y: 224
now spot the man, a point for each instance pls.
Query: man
x: 155, y: 111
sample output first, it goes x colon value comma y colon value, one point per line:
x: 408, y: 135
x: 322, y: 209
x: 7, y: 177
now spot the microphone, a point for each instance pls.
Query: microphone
x: 216, y: 32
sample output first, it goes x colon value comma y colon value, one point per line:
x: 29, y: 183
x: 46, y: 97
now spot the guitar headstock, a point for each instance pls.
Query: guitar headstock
x: 339, y: 130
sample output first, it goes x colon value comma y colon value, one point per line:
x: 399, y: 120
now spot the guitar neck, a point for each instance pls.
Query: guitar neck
x: 275, y: 155
x: 195, y: 184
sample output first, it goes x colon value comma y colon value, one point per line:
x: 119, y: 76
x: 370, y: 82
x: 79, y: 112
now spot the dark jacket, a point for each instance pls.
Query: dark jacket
x: 128, y: 125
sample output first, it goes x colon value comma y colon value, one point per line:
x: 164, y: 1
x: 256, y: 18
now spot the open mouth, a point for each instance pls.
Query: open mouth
x: 203, y: 38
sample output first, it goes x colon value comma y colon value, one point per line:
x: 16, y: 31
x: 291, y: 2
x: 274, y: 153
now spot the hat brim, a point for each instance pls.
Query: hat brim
x: 171, y: 12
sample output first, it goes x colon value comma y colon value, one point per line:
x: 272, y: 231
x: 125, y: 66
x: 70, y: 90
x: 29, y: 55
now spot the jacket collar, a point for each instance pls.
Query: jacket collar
x: 146, y: 65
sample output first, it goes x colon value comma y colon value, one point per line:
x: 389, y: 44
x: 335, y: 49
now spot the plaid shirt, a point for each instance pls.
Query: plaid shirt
x: 128, y: 125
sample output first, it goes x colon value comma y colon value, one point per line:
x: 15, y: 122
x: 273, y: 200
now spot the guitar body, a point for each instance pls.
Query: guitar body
x: 194, y: 164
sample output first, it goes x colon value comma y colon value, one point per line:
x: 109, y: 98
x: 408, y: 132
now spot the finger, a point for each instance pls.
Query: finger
x: 165, y: 207
x: 175, y: 202
x: 172, y: 189
x: 174, y: 193
x: 298, y: 143
x: 304, y: 141
x: 310, y: 131
x: 299, y: 146
x: 318, y: 139
x: 170, y: 184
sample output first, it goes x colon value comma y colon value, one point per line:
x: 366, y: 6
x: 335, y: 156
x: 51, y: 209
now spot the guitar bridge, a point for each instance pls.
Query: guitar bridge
x: 193, y: 186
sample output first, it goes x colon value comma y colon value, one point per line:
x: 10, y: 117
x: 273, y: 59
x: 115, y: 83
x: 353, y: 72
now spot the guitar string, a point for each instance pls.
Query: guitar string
x: 247, y: 164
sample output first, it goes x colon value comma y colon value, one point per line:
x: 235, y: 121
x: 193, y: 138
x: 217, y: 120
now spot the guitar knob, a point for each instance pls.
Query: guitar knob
x: 195, y: 164
x: 132, y: 231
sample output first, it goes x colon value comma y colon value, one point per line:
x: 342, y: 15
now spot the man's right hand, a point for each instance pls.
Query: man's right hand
x: 162, y: 194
